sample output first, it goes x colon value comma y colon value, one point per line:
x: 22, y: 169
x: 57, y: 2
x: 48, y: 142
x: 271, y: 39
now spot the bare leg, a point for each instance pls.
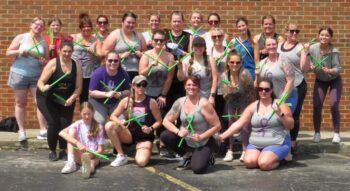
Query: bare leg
x: 143, y: 153
x: 20, y: 107
x: 268, y: 160
x: 117, y: 135
x: 251, y: 158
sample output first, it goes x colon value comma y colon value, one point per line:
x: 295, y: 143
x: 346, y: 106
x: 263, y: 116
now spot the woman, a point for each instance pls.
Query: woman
x: 195, y: 28
x: 199, y: 123
x: 127, y: 43
x: 214, y: 22
x: 238, y: 91
x: 268, y: 24
x: 326, y: 65
x: 56, y: 98
x: 269, y: 141
x: 244, y: 44
x: 101, y: 33
x: 54, y: 36
x: 84, y: 52
x: 297, y: 54
x: 138, y: 130
x: 200, y: 66
x: 103, y: 95
x: 84, y: 134
x: 30, y: 53
x: 154, y: 24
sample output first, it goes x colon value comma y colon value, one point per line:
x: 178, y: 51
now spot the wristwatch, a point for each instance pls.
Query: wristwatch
x: 212, y: 94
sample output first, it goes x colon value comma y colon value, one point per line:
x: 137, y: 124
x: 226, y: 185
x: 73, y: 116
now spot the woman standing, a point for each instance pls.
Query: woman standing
x: 214, y: 22
x: 196, y: 28
x: 31, y: 53
x: 138, y: 130
x: 56, y: 98
x: 101, y: 33
x: 154, y: 24
x: 55, y: 37
x: 297, y: 54
x: 326, y: 65
x: 269, y: 141
x: 127, y: 43
x: 84, y: 52
x: 199, y: 123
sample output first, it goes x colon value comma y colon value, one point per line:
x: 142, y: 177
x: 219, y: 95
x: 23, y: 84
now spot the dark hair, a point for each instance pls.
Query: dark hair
x: 102, y: 16
x: 179, y: 13
x: 158, y: 31
x: 206, y: 61
x: 273, y: 96
x: 54, y: 20
x: 194, y: 79
x: 94, y: 129
x: 249, y: 34
x: 328, y: 29
x: 67, y: 42
x: 84, y: 20
x: 153, y: 14
x: 129, y: 14
x: 268, y: 17
x: 214, y: 14
x: 233, y: 52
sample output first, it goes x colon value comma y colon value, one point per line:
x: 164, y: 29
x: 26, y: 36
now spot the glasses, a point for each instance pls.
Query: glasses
x: 142, y: 84
x: 294, y: 31
x: 260, y: 89
x: 234, y: 62
x: 158, y: 40
x: 102, y: 22
x: 216, y: 36
x: 113, y: 60
x: 213, y: 22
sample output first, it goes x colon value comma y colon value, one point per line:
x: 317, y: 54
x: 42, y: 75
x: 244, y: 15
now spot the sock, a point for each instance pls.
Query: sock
x: 70, y: 157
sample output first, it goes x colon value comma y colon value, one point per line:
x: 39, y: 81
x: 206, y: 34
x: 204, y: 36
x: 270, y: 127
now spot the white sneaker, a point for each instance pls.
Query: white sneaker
x: 69, y: 167
x: 85, y: 165
x: 241, y: 159
x: 21, y: 136
x: 42, y: 136
x: 228, y: 157
x: 317, y: 138
x: 336, y: 138
x: 120, y: 160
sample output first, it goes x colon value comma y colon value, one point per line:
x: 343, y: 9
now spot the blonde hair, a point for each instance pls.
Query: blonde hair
x: 94, y: 127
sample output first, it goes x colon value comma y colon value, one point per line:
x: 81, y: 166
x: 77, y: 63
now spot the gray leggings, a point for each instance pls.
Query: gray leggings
x: 320, y: 91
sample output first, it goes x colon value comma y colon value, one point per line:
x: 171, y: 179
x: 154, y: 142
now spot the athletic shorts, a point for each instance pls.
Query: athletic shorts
x: 280, y: 150
x: 20, y: 82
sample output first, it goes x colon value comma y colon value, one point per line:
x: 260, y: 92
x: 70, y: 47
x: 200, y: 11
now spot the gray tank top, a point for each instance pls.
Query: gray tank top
x: 131, y: 63
x: 220, y: 67
x: 199, y: 123
x: 156, y: 78
x: 266, y: 132
x: 87, y: 60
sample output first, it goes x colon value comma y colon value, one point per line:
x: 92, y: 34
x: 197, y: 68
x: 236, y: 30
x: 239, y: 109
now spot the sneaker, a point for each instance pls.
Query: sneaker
x: 21, y: 136
x: 169, y: 155
x: 85, y: 165
x: 317, y: 138
x: 42, y: 136
x: 69, y: 167
x: 53, y: 156
x: 241, y: 159
x: 228, y: 157
x: 184, y: 164
x: 212, y: 160
x: 336, y: 138
x: 62, y: 155
x: 120, y: 160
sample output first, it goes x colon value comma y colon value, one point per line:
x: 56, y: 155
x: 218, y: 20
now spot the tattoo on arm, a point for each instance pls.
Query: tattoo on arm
x: 174, y: 111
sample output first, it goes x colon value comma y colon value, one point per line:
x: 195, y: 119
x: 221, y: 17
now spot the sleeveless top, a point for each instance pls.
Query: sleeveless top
x: 261, y: 43
x: 199, y: 123
x: 220, y: 67
x: 65, y: 87
x: 130, y: 63
x: 156, y: 79
x: 147, y: 35
x: 247, y: 52
x: 28, y: 66
x: 266, y: 132
x: 148, y: 120
x: 87, y: 60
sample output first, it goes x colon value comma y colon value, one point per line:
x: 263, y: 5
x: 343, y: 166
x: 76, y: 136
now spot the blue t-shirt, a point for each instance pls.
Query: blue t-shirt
x: 100, y: 79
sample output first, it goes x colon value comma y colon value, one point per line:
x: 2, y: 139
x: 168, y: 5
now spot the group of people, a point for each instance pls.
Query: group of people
x: 190, y: 88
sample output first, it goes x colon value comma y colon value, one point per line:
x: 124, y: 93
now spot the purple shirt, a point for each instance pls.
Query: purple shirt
x: 100, y: 77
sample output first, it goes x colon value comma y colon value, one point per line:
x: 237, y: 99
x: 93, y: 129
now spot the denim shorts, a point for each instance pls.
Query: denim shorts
x: 20, y: 82
x: 280, y: 150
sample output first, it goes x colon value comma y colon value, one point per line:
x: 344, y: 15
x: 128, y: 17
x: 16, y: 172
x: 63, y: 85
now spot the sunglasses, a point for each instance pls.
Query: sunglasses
x: 102, y: 22
x: 113, y: 60
x: 158, y: 40
x: 216, y: 36
x: 234, y: 62
x: 141, y: 84
x: 294, y: 31
x: 260, y: 89
x: 213, y: 22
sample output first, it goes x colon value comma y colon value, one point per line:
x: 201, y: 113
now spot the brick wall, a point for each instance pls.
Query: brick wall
x: 308, y: 14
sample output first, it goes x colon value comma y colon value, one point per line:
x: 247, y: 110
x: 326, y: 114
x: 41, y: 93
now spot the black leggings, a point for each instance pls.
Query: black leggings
x: 302, y: 89
x: 58, y: 117
x: 84, y: 96
x: 200, y: 156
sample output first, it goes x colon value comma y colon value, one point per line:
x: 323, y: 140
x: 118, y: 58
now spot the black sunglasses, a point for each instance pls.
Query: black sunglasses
x: 102, y: 22
x: 113, y: 60
x: 260, y: 89
x: 294, y: 31
x: 213, y: 22
x: 234, y: 62
x: 141, y: 84
x: 216, y: 36
x: 158, y: 40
